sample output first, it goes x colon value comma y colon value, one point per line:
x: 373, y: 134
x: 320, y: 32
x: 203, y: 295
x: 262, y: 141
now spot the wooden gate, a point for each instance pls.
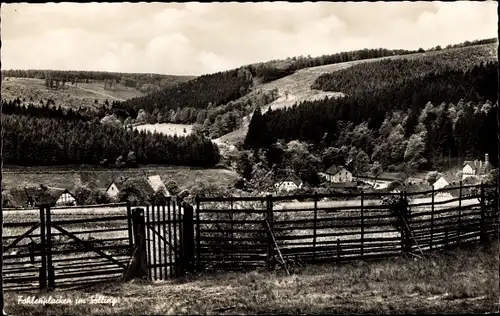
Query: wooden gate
x: 22, y: 239
x: 87, y: 245
x: 169, y: 239
x: 232, y: 233
x: 66, y: 247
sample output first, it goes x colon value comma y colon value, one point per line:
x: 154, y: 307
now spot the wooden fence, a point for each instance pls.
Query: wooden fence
x: 244, y: 233
x: 71, y: 247
x: 66, y: 248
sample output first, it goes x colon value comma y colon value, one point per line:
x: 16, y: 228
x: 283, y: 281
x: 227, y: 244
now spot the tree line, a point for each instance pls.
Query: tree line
x: 184, y: 102
x: 388, y: 72
x: 143, y: 82
x: 421, y: 121
x: 47, y: 109
x: 203, y: 92
x: 48, y: 141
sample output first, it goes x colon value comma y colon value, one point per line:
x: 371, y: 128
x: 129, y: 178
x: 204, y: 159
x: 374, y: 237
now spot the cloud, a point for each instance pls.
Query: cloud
x: 196, y: 38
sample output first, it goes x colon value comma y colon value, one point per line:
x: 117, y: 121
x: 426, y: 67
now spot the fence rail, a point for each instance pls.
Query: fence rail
x: 50, y: 247
x: 231, y: 232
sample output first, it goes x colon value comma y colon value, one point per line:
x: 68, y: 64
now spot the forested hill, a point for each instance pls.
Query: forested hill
x: 403, y: 114
x: 41, y: 141
x: 143, y: 82
x: 196, y: 100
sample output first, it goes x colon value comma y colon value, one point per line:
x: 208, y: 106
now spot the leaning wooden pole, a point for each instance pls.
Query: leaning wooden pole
x: 2, y: 302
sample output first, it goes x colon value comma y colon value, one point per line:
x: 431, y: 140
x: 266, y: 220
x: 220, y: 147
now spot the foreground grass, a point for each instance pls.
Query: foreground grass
x: 456, y: 281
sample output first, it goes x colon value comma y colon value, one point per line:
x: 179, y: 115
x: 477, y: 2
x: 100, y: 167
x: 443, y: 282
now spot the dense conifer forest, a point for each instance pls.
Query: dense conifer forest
x: 42, y: 141
x: 395, y: 113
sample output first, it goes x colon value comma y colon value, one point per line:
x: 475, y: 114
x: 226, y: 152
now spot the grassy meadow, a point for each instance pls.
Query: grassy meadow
x: 83, y: 95
x: 463, y: 280
x: 72, y: 176
x: 167, y: 128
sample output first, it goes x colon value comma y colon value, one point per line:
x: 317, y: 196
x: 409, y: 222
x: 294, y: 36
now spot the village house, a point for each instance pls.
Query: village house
x: 147, y: 185
x: 476, y: 168
x: 440, y: 183
x: 288, y: 183
x: 43, y: 195
x: 337, y: 174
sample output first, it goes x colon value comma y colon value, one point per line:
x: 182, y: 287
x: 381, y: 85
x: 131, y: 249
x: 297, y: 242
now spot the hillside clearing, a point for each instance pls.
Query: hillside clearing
x: 297, y: 87
x: 83, y: 95
x: 461, y: 280
x: 170, y: 129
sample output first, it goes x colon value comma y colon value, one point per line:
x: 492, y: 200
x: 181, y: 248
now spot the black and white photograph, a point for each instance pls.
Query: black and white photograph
x: 249, y: 158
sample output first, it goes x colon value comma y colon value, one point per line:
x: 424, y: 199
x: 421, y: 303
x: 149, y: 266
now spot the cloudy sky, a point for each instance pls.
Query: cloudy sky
x: 194, y: 38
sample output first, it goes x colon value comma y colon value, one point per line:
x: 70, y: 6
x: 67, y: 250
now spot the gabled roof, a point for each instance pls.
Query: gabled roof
x: 334, y: 169
x: 43, y: 195
x: 140, y: 183
x: 479, y: 167
x: 156, y: 183
x: 441, y: 177
x: 473, y: 164
x: 288, y: 177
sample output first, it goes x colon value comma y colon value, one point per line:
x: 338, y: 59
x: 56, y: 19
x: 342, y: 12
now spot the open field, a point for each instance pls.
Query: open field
x: 455, y: 281
x: 167, y: 128
x: 71, y: 176
x: 84, y: 94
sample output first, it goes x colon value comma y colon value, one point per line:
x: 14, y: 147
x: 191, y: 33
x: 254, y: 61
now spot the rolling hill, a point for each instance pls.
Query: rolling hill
x: 30, y: 86
x: 297, y: 87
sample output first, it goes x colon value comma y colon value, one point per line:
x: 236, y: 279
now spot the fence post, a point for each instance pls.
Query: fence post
x: 483, y: 213
x: 42, y: 279
x: 459, y: 229
x: 362, y: 225
x: 407, y: 218
x: 338, y: 250
x: 50, y: 267
x: 198, y: 246
x: 187, y: 251
x: 432, y: 220
x: 315, y: 224
x: 130, y: 229
x: 270, y: 246
x: 401, y: 212
x: 138, y: 268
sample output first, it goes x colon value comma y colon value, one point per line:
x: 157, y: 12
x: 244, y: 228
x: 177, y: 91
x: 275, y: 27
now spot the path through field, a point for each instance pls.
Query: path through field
x: 102, y: 94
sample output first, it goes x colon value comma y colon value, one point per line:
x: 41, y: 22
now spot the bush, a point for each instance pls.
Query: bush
x: 89, y: 196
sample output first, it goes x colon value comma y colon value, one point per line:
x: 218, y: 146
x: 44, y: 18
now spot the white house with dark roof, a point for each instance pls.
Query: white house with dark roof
x: 440, y: 183
x: 476, y: 168
x: 148, y: 185
x: 337, y: 174
x: 288, y: 183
